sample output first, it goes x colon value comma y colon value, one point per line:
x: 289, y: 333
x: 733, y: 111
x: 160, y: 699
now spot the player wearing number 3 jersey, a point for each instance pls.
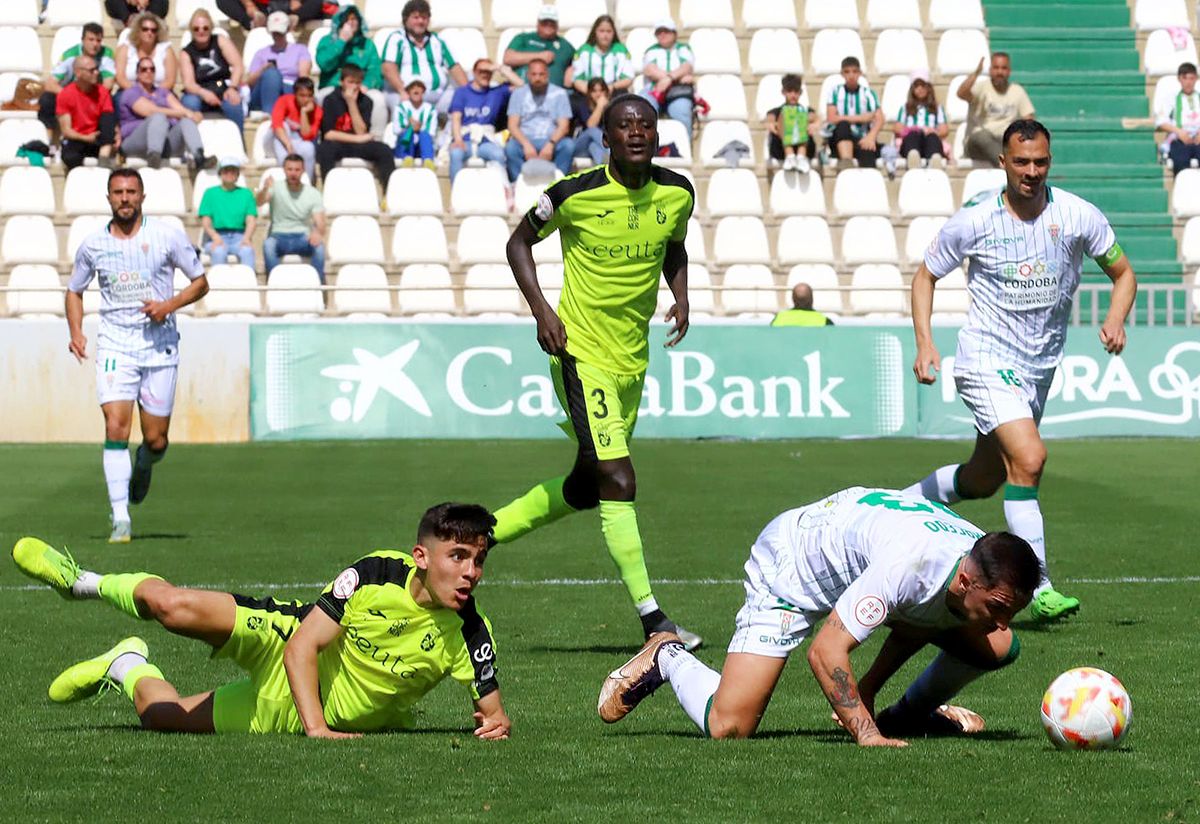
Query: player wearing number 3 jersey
x: 865, y: 558
x: 1026, y: 245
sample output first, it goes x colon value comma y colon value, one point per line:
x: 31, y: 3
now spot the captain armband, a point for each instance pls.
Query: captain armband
x: 1112, y: 255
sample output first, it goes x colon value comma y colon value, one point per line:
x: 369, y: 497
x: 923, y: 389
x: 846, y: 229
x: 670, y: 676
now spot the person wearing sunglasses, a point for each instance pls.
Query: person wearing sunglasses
x: 148, y: 37
x: 212, y: 71
x: 154, y: 124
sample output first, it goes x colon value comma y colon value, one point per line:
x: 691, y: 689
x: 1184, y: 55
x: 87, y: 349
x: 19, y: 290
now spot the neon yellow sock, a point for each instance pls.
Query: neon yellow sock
x: 118, y: 590
x: 137, y: 674
x: 618, y: 520
x: 539, y: 506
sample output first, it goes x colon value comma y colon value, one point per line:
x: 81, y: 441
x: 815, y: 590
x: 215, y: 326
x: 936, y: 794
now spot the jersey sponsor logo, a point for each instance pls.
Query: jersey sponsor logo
x: 1030, y: 284
x: 125, y: 286
x: 870, y: 611
x: 604, y: 218
x: 771, y: 640
x: 544, y: 210
x: 387, y: 661
x: 646, y: 250
x: 345, y: 584
x: 484, y: 653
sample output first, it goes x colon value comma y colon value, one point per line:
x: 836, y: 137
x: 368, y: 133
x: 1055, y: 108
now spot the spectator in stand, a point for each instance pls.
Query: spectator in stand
x: 345, y: 131
x: 539, y: 123
x: 994, y: 103
x: 228, y: 216
x: 254, y: 13
x: 297, y: 217
x: 802, y: 312
x: 86, y: 117
x: 920, y: 124
x: 212, y: 71
x: 415, y: 125
x: 296, y: 120
x: 348, y: 43
x: 668, y: 66
x: 123, y: 11
x: 792, y: 128
x: 91, y: 44
x: 274, y: 69
x: 853, y: 119
x: 546, y: 44
x: 1181, y: 121
x: 604, y: 56
x: 588, y: 112
x: 154, y: 124
x: 147, y: 38
x: 416, y: 53
x: 476, y: 112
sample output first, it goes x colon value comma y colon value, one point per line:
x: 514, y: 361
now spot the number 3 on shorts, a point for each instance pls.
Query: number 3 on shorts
x: 602, y: 411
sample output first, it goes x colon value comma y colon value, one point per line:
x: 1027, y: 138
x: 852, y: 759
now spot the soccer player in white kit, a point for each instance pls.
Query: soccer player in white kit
x: 866, y: 558
x: 1025, y: 244
x: 137, y: 354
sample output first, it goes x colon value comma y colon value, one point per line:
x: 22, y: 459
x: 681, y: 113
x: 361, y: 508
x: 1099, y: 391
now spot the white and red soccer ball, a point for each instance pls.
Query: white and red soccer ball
x: 1086, y: 709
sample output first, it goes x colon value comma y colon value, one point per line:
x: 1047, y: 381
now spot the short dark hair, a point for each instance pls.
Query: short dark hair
x: 792, y: 83
x: 1185, y: 68
x: 623, y: 98
x: 416, y: 81
x: 303, y: 83
x: 92, y: 28
x: 125, y: 171
x: 414, y: 7
x: 1025, y: 129
x: 462, y: 523
x: 1004, y: 558
x: 851, y: 61
x: 293, y: 158
x: 1003, y: 54
x: 353, y: 70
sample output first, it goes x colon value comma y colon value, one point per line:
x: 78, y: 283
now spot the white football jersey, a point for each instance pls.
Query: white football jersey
x: 133, y: 271
x: 874, y: 555
x: 1022, y: 278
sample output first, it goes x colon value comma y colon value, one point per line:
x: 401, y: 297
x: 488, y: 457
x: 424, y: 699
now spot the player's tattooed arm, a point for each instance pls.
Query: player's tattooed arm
x: 844, y: 692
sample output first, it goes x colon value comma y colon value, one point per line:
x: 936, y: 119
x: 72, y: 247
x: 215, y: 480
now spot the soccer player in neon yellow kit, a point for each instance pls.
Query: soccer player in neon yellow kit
x: 387, y: 630
x: 621, y: 225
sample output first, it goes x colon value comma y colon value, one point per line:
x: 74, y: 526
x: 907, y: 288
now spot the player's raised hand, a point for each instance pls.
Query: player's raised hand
x: 679, y: 314
x: 78, y: 347
x: 492, y: 727
x: 156, y: 310
x: 928, y: 364
x: 551, y: 334
x: 1113, y: 338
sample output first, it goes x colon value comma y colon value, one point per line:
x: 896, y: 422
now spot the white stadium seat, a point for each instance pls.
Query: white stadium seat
x: 81, y: 227
x: 955, y: 14
x: 222, y: 139
x: 775, y: 51
x: 73, y: 12
x: 831, y: 14
x: 205, y: 180
x: 868, y: 240
x: 1185, y: 198
x: 506, y: 37
x: 741, y: 240
x: 925, y: 192
x: 583, y: 13
x: 921, y: 231
x: 956, y: 108
x: 716, y: 51
x: 184, y: 9
x: 950, y: 294
x: 420, y: 239
x: 520, y: 14
x: 230, y: 290
x: 1165, y: 89
x: 468, y: 13
x: 895, y: 94
x: 466, y: 45
x: 164, y: 192
x: 900, y: 51
x: 733, y: 192
x: 85, y: 192
x: 34, y: 276
x: 830, y: 46
x: 384, y: 14
x: 19, y: 12
x: 717, y: 133
x: 672, y: 131
x: 20, y: 49
x: 1149, y: 15
x: 754, y: 290
x: 824, y: 282
x: 769, y: 94
x: 351, y: 192
x: 424, y: 289
x: 354, y: 239
x: 179, y: 282
x: 725, y: 95
x: 415, y: 192
x: 548, y: 250
x: 262, y: 146
x: 804, y: 239
x: 637, y: 40
x: 959, y: 51
x: 550, y: 280
x: 629, y: 13
x: 26, y: 190
x: 489, y: 288
x: 16, y: 133
x: 292, y: 290
x: 64, y: 38
x: 1189, y: 247
x: 478, y: 192
x: 482, y: 240
x: 981, y: 180
x: 1163, y: 56
x: 527, y: 192
x: 766, y: 14
x: 696, y: 13
x: 860, y: 192
x: 893, y: 14
x: 350, y: 297
x: 693, y: 243
x: 29, y: 239
x: 256, y: 39
x: 314, y: 40
x: 793, y: 193
x: 8, y: 89
x: 700, y: 293
x: 867, y: 300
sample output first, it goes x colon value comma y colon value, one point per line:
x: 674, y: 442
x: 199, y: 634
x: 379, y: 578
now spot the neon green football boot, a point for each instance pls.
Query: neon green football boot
x: 1051, y: 605
x: 44, y: 563
x: 88, y: 677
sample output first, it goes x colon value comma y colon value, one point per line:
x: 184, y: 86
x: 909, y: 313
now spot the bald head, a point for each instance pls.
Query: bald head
x: 802, y: 296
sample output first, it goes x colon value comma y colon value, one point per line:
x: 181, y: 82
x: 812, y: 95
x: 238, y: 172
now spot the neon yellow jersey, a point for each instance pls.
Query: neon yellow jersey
x: 392, y: 650
x: 614, y: 241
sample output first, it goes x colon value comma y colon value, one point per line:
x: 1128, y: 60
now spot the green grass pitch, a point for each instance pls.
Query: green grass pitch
x: 282, y: 519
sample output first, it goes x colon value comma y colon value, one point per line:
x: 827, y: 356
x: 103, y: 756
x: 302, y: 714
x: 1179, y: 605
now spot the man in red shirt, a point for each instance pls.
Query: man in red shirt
x: 296, y: 121
x: 86, y: 117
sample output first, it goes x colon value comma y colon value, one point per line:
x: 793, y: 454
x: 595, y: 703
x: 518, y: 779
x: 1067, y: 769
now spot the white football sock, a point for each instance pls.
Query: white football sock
x: 1024, y: 516
x: 694, y: 683
x: 87, y: 585
x: 938, y: 486
x: 648, y: 606
x: 117, y: 471
x: 123, y: 663
x: 941, y: 681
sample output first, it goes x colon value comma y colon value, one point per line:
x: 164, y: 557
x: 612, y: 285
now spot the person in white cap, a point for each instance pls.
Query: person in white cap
x: 228, y: 216
x: 546, y: 44
x: 920, y: 124
x: 274, y: 69
x: 668, y: 66
x: 254, y: 13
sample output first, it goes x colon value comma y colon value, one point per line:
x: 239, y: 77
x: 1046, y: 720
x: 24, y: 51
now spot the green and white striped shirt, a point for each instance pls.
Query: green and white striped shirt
x: 846, y: 102
x: 923, y: 119
x: 669, y: 59
x: 426, y: 115
x: 613, y: 66
x: 430, y: 61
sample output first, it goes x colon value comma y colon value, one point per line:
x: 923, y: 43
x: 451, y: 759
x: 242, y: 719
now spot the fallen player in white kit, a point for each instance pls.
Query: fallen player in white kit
x: 866, y: 558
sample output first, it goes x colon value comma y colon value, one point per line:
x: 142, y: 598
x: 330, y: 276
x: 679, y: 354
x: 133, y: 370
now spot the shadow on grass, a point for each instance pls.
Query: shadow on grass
x: 600, y: 649
x: 835, y: 736
x: 150, y: 536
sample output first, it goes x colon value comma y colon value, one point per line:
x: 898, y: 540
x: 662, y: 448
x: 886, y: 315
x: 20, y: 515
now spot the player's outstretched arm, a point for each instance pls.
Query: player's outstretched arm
x: 1120, y: 272
x: 829, y: 658
x: 491, y: 721
x: 929, y: 361
x: 316, y: 632
x: 551, y: 334
x: 675, y: 265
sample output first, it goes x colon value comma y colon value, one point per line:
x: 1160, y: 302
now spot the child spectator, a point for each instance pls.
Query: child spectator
x: 792, y: 126
x: 921, y: 124
x: 296, y: 121
x: 415, y: 125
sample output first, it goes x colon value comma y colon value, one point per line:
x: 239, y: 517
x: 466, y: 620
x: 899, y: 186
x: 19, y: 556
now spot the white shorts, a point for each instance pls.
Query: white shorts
x: 118, y: 378
x: 998, y: 396
x: 766, y: 624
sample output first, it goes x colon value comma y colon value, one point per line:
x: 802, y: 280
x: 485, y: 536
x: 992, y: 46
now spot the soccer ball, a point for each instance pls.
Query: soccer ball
x: 1086, y: 709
